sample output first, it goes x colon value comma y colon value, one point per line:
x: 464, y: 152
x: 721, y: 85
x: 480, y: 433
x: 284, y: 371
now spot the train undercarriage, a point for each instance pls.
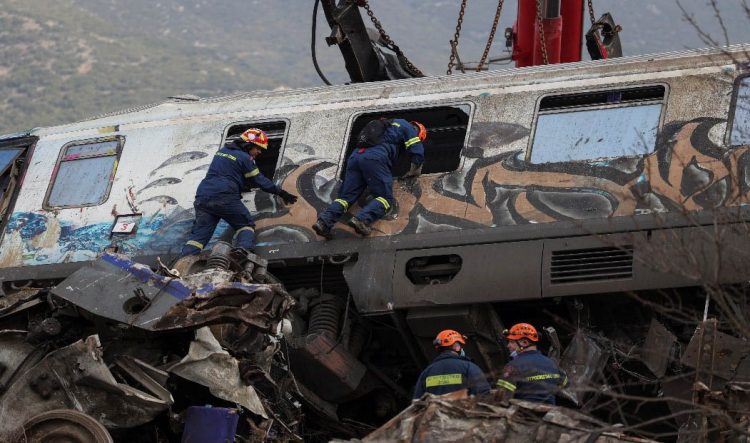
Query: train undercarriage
x: 134, y: 347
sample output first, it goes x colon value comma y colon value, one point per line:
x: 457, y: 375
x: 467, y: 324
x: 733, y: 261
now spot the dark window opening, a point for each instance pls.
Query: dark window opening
x: 11, y: 160
x: 268, y: 160
x: 612, y: 97
x: 446, y: 132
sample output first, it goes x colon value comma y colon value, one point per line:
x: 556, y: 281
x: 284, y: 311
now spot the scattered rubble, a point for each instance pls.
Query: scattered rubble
x: 458, y: 418
x: 121, y: 352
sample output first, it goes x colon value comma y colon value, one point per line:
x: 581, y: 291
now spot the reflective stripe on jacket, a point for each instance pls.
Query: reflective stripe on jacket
x: 532, y: 376
x: 400, y: 134
x: 450, y: 372
x: 229, y: 170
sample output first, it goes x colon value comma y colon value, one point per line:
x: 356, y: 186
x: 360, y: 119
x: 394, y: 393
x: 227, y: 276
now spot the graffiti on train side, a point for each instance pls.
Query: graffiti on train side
x: 687, y: 171
x: 494, y: 187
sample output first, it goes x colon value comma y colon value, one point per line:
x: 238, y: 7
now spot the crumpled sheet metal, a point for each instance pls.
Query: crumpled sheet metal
x: 119, y: 289
x: 76, y: 377
x: 209, y: 365
x: 15, y: 354
x: 261, y: 306
x: 456, y: 418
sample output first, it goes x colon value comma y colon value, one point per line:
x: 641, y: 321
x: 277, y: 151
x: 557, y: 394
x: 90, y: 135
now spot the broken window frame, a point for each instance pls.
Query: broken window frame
x: 65, y: 157
x: 12, y: 175
x: 402, y: 163
x: 234, y: 129
x: 629, y: 97
x: 738, y: 87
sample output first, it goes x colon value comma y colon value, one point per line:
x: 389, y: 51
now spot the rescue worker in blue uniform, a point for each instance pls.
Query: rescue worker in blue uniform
x: 530, y: 375
x: 219, y: 195
x: 371, y: 166
x: 451, y: 370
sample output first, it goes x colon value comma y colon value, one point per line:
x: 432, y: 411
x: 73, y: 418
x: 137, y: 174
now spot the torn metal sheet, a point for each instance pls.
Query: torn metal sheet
x: 15, y: 354
x: 582, y: 360
x: 116, y: 288
x: 209, y: 365
x: 454, y: 417
x: 76, y: 377
x: 19, y: 301
x: 135, y: 369
x: 714, y: 353
x: 656, y: 349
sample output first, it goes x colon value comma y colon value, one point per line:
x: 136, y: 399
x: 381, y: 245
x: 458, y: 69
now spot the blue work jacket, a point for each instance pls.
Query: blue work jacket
x: 230, y: 168
x: 532, y: 376
x: 451, y: 372
x: 399, y: 133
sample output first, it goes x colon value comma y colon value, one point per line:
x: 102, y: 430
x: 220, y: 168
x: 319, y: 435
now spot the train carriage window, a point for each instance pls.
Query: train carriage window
x: 7, y: 182
x: 84, y: 173
x: 740, y: 134
x: 269, y: 159
x: 446, y: 134
x: 605, y: 124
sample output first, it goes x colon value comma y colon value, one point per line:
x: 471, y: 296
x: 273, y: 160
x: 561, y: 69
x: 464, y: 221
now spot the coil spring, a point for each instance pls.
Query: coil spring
x: 325, y: 316
x: 219, y: 258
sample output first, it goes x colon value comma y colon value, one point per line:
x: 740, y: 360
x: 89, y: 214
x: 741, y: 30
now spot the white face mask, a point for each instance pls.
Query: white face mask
x: 513, y: 354
x: 462, y: 353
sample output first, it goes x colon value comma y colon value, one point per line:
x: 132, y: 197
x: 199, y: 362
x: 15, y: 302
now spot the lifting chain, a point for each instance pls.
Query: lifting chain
x: 492, y: 35
x: 591, y: 12
x: 540, y: 25
x: 405, y: 62
x: 454, y: 42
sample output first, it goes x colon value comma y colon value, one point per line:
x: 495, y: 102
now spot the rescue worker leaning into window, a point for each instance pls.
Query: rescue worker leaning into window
x: 371, y: 166
x: 530, y: 375
x: 451, y: 370
x: 219, y: 195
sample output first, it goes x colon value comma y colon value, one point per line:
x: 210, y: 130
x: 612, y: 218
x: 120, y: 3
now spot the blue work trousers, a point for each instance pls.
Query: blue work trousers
x: 208, y: 213
x: 366, y: 168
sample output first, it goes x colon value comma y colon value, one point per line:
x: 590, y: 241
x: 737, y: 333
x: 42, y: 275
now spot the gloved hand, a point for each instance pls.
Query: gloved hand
x: 289, y: 199
x: 414, y: 171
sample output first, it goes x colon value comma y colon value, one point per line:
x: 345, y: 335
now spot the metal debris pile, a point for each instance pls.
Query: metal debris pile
x: 456, y: 418
x: 118, y: 352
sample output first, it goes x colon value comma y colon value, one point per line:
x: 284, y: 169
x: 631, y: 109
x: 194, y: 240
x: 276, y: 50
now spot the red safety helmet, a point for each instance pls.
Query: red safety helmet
x: 256, y: 137
x: 521, y: 330
x: 421, y: 130
x: 447, y: 338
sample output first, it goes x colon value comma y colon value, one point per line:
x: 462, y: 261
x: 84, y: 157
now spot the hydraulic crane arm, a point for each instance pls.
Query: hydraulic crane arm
x: 364, y: 59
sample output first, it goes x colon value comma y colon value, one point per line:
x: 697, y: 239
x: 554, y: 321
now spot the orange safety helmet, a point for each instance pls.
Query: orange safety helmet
x: 521, y: 330
x: 256, y: 137
x: 422, y: 131
x: 447, y: 338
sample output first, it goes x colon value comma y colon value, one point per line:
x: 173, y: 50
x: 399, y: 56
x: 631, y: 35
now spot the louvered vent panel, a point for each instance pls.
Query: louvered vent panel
x: 584, y: 265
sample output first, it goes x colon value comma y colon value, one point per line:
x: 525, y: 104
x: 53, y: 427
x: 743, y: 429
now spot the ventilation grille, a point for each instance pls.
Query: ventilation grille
x: 584, y: 265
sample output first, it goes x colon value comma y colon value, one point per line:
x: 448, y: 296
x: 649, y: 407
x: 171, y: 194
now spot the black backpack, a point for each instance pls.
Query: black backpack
x: 372, y: 133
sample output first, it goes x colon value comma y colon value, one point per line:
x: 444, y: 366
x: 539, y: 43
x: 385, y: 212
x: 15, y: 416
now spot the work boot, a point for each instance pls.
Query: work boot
x: 322, y: 230
x: 361, y: 227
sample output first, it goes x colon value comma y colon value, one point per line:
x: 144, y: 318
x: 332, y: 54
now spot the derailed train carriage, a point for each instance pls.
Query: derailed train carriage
x: 552, y: 195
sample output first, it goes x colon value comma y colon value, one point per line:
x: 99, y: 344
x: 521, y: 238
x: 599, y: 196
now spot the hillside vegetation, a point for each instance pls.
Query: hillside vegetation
x: 64, y: 60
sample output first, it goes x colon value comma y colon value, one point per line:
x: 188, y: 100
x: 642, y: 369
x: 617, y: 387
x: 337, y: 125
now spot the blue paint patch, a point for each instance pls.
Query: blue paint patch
x: 173, y: 287
x: 29, y: 224
x: 158, y: 234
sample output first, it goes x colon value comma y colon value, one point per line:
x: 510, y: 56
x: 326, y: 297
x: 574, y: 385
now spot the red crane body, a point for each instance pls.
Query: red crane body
x: 562, y: 23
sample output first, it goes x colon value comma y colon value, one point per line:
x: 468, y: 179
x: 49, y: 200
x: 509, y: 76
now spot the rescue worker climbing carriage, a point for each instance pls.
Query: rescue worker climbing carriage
x: 371, y: 166
x: 219, y: 194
